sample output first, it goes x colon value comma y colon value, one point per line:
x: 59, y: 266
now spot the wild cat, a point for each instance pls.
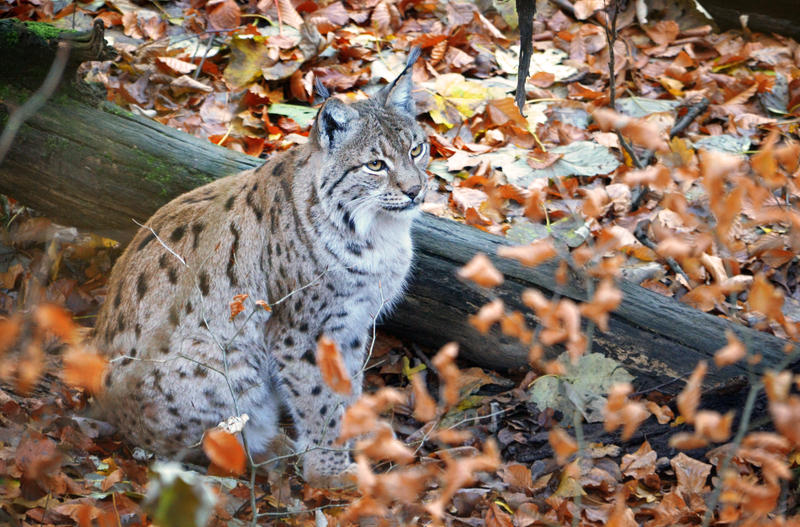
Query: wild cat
x: 327, y: 223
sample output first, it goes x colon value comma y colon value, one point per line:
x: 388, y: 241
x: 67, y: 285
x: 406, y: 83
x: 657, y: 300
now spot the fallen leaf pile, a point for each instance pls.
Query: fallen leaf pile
x: 686, y: 184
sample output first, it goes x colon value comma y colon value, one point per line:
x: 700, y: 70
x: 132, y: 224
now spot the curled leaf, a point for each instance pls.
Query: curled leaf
x: 481, y: 271
x: 331, y: 364
x: 224, y: 451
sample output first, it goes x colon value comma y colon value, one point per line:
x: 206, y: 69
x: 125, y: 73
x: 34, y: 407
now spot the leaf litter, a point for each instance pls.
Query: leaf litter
x: 243, y: 77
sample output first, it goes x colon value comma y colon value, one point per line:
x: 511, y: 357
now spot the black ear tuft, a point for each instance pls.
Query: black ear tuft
x: 398, y: 93
x: 333, y: 123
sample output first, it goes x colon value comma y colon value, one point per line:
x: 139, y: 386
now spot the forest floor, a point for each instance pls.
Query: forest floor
x: 689, y: 186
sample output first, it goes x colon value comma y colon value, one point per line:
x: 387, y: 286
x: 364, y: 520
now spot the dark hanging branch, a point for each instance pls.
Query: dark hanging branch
x: 525, y: 11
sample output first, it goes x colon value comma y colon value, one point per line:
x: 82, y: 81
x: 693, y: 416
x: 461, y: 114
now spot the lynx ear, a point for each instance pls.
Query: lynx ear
x: 333, y: 123
x: 397, y: 94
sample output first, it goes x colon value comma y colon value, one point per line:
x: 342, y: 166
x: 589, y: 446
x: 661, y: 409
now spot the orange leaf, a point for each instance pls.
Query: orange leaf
x: 765, y: 298
x: 224, y: 451
x: 424, y: 405
x: 713, y: 425
x: 605, y: 300
x: 689, y: 397
x: 481, y: 271
x: 225, y: 15
x: 57, y: 320
x: 444, y: 362
x: 84, y: 369
x: 384, y: 446
x: 563, y: 444
x: 663, y: 32
x: 331, y: 364
x: 514, y: 325
x: 777, y: 384
x: 487, y: 316
x: 530, y: 255
x: 687, y: 441
x: 237, y: 306
x: 731, y: 353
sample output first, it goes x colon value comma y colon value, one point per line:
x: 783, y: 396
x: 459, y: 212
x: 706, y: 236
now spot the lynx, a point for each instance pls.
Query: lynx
x: 321, y: 232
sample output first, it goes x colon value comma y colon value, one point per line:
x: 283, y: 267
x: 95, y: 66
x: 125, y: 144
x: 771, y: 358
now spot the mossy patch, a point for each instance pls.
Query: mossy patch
x: 45, y: 31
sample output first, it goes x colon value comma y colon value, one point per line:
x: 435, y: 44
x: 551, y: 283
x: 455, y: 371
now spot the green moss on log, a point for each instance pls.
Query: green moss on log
x: 45, y: 31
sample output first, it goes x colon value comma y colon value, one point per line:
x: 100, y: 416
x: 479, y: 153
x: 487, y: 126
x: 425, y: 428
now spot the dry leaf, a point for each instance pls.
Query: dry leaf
x: 530, y: 255
x: 481, y: 271
x: 84, y: 370
x: 689, y: 397
x: 424, y: 405
x: 331, y: 364
x: 237, y: 306
x: 225, y: 451
x: 563, y: 444
x: 487, y: 316
x: 444, y: 362
x: 731, y: 353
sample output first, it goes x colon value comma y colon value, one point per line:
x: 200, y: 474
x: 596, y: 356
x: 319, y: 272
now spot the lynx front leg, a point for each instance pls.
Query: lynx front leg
x: 317, y: 411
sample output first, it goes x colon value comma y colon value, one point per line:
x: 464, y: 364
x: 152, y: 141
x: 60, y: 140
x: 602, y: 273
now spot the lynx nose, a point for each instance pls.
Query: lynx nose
x: 413, y: 192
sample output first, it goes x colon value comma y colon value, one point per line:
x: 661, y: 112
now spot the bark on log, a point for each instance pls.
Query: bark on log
x: 775, y: 16
x: 98, y: 167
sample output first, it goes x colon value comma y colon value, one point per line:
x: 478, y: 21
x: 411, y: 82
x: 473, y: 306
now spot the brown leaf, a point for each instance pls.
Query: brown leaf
x: 331, y: 364
x: 606, y: 299
x: 424, y: 405
x: 765, y: 298
x: 713, y: 425
x: 130, y: 25
x: 84, y: 369
x: 38, y: 458
x: 384, y: 446
x: 563, y: 444
x: 687, y: 441
x: 496, y: 517
x: 481, y: 271
x: 663, y: 32
x: 691, y: 474
x: 288, y: 14
x: 689, y: 397
x: 641, y: 463
x: 516, y: 475
x: 56, y: 320
x: 487, y: 316
x: 663, y: 414
x: 444, y: 362
x: 513, y: 324
x: 733, y: 352
x: 777, y: 384
x: 361, y: 417
x: 225, y: 451
x: 237, y: 306
x: 530, y: 255
x: 224, y: 15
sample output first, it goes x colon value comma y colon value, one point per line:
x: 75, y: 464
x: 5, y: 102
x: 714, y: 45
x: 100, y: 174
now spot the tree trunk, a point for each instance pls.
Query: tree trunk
x: 98, y: 167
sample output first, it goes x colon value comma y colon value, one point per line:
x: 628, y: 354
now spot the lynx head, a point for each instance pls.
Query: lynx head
x: 374, y: 156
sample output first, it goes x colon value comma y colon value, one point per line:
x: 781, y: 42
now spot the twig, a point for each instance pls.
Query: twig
x: 167, y: 247
x: 32, y: 105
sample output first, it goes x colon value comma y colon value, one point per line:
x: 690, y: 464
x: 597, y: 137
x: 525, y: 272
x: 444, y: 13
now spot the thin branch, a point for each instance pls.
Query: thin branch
x: 35, y: 101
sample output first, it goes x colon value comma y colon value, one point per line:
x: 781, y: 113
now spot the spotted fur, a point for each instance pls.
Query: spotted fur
x: 321, y: 232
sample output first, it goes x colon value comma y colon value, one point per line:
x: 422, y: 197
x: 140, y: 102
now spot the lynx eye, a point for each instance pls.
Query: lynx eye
x: 417, y: 150
x: 376, y: 165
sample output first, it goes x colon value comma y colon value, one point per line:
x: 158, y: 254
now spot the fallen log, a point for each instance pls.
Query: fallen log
x: 777, y: 16
x: 93, y: 165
